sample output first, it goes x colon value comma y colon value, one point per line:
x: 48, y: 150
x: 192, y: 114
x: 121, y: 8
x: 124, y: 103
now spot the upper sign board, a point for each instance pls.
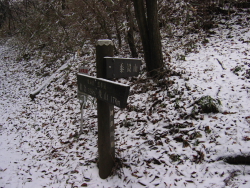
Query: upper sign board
x: 122, y: 67
x: 106, y: 90
x: 83, y: 70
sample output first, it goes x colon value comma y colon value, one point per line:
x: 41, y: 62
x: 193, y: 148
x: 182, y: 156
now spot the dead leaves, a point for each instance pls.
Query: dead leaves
x: 248, y: 119
x: 199, y: 158
x: 152, y: 160
x: 226, y: 113
x: 246, y: 138
x: 84, y: 185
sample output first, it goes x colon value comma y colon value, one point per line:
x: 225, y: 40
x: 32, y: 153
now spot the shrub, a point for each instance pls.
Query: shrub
x: 207, y: 104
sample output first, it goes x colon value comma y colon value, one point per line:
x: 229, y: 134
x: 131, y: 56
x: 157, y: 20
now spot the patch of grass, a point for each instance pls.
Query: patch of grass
x: 175, y: 92
x: 236, y: 70
x: 177, y: 104
x: 205, y: 41
x: 207, y: 130
x: 207, y: 104
x: 190, y: 47
x: 195, y: 135
x: 196, y: 143
x: 127, y: 123
x: 181, y: 57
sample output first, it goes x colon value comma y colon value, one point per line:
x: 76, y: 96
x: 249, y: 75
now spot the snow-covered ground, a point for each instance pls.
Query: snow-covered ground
x: 158, y: 141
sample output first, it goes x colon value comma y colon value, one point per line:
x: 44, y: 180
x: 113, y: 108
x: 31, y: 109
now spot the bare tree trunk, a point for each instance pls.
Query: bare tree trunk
x: 118, y: 32
x: 147, y: 20
x: 130, y: 32
x: 154, y: 36
x: 63, y: 4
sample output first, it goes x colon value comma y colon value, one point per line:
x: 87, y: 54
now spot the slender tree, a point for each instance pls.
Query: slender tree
x: 130, y: 32
x: 63, y: 4
x: 146, y: 13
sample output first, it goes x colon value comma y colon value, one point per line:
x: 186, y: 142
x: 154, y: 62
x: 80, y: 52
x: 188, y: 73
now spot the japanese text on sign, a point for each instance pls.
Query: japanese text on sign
x: 102, y: 89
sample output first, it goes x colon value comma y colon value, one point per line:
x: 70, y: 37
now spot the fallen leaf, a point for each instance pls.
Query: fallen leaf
x: 84, y: 185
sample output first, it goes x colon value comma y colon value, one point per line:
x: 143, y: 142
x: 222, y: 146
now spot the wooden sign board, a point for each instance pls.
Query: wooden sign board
x: 105, y: 90
x: 122, y: 67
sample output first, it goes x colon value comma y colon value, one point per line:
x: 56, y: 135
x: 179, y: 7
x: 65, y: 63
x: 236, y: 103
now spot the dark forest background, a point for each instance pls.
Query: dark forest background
x: 57, y: 27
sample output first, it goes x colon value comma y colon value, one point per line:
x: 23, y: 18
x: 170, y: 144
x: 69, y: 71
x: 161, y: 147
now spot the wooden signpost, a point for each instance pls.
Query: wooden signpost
x: 108, y: 94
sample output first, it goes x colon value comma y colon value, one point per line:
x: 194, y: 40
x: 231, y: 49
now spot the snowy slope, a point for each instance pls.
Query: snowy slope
x: 158, y: 141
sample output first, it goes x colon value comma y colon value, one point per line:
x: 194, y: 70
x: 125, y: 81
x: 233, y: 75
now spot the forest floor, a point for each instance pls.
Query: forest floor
x: 166, y: 137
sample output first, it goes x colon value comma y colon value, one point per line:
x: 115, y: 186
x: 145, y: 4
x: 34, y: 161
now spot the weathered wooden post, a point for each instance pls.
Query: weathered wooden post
x: 105, y: 113
x: 108, y: 94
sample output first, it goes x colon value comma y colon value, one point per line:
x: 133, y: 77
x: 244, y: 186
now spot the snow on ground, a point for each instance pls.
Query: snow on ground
x: 159, y: 142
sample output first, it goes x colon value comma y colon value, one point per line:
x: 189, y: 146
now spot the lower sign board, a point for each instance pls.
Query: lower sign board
x: 106, y: 90
x: 122, y: 67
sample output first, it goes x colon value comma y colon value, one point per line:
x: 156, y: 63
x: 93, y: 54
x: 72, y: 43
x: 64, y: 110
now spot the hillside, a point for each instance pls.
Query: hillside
x: 166, y: 137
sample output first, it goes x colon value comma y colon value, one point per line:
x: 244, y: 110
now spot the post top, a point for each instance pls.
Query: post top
x: 105, y: 42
